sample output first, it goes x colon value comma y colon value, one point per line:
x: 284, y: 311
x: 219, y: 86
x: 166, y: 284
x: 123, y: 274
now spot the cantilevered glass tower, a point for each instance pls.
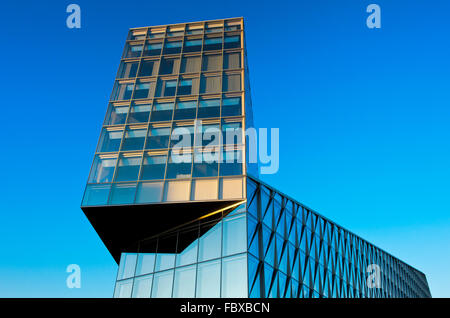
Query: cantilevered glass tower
x: 195, y: 221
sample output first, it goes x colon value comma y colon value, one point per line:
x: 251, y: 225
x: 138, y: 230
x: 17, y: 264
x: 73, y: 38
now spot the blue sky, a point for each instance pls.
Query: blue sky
x: 363, y: 117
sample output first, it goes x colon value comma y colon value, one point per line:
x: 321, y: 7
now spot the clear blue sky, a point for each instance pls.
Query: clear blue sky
x: 363, y: 115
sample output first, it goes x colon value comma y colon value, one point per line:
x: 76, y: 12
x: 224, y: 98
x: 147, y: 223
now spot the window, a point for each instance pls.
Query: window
x: 134, y: 139
x: 148, y: 68
x: 232, y: 42
x: 166, y: 87
x: 165, y: 260
x: 110, y: 140
x: 142, y: 286
x: 137, y: 34
x: 184, y: 282
x: 187, y: 255
x: 210, y: 84
x: 133, y: 50
x: 234, y: 277
x: 139, y: 113
x: 156, y: 34
x: 96, y: 194
x: 213, y: 44
x: 122, y: 193
x: 122, y: 91
x: 177, y: 191
x: 232, y: 133
x: 214, y: 30
x: 145, y: 263
x: 123, y: 289
x: 116, y: 114
x: 234, y: 235
x: 182, y: 137
x: 103, y: 169
x: 162, y: 284
x: 206, y: 189
x: 185, y: 110
x: 172, y: 47
x: 154, y: 167
x: 211, y: 62
x: 190, y: 64
x: 185, y: 87
x: 231, y: 188
x: 206, y: 165
x: 158, y: 138
x: 152, y: 49
x: 208, y: 280
x: 210, y: 242
x: 169, y: 66
x: 209, y: 108
x: 210, y: 135
x: 149, y: 192
x: 128, y: 169
x: 194, y: 29
x: 232, y: 60
x: 162, y: 111
x: 126, y: 265
x: 231, y: 163
x: 192, y: 46
x: 231, y: 82
x: 128, y: 69
x: 144, y: 90
x: 231, y: 106
x: 179, y: 166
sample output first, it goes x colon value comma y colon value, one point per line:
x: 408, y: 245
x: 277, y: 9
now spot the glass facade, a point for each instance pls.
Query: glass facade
x: 270, y: 246
x: 169, y: 78
x: 195, y: 221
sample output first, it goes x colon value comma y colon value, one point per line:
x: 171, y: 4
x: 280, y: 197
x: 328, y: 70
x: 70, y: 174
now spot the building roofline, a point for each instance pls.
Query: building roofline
x: 181, y: 23
x: 328, y: 220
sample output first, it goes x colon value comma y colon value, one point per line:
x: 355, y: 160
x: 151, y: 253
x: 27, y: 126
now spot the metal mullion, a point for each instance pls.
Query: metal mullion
x: 175, y: 260
x: 196, y: 263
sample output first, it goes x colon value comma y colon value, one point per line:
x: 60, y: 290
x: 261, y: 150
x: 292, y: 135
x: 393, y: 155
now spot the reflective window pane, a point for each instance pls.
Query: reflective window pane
x: 128, y: 69
x: 184, y: 282
x: 127, y: 265
x: 234, y: 276
x: 139, y: 113
x: 190, y: 64
x: 162, y: 112
x: 116, y: 115
x: 234, y: 235
x: 231, y: 106
x: 102, y: 169
x: 145, y: 263
x: 134, y: 139
x: 154, y: 167
x: 96, y: 194
x: 152, y: 49
x: 209, y: 108
x: 128, y: 168
x: 142, y: 286
x: 158, y: 138
x: 149, y: 192
x: 123, y: 289
x: 162, y: 284
x: 185, y: 110
x: 122, y: 193
x: 208, y: 280
x: 148, y: 68
x: 110, y: 140
x: 210, y: 243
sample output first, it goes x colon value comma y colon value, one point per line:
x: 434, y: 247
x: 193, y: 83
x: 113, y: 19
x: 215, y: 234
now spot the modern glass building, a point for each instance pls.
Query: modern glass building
x: 195, y: 221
